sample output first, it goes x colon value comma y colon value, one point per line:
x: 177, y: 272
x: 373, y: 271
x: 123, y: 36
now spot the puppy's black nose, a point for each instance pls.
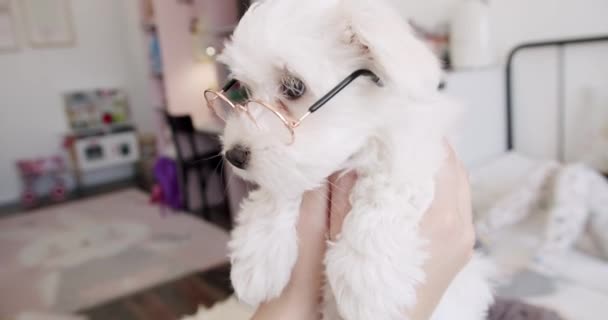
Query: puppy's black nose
x: 238, y: 156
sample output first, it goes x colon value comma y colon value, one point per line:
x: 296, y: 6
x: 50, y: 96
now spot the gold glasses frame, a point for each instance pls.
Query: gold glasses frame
x: 291, y: 123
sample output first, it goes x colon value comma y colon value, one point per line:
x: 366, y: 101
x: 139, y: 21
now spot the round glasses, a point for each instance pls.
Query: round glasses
x: 269, y: 117
x: 263, y: 115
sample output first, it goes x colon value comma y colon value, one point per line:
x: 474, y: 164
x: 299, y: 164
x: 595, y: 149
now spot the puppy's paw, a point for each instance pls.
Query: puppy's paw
x: 263, y: 251
x: 261, y: 269
x: 366, y: 288
x: 374, y: 274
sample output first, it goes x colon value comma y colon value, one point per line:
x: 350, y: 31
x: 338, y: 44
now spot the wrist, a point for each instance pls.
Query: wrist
x: 304, y: 297
x: 287, y: 306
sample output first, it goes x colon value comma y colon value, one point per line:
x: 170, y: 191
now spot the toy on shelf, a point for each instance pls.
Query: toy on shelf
x: 102, y: 134
x: 94, y: 110
x: 32, y: 171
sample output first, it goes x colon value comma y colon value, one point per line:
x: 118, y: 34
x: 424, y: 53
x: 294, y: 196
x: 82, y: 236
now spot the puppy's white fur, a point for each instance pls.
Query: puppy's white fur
x: 392, y: 136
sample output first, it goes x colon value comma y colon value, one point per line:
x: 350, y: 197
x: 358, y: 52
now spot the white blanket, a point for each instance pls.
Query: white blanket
x: 518, y: 226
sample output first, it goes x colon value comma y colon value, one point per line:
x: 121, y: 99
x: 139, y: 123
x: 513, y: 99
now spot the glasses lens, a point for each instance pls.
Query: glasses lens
x: 220, y: 105
x: 271, y: 121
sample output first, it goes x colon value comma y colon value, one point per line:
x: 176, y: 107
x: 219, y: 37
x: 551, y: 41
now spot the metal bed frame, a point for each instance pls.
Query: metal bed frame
x: 560, y: 45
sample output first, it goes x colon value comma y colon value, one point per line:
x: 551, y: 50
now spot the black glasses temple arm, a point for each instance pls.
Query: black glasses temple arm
x: 333, y: 92
x: 229, y: 85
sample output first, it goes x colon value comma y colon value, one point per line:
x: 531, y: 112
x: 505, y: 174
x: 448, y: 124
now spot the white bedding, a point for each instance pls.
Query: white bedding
x: 568, y: 281
x: 577, y: 284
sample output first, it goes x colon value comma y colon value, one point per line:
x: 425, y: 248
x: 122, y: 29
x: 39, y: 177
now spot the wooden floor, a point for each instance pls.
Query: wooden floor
x: 170, y: 301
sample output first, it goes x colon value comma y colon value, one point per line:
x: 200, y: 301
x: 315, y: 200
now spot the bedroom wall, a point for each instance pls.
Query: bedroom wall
x: 482, y: 135
x: 516, y: 21
x: 184, y: 75
x: 481, y: 131
x: 537, y: 91
x: 32, y: 81
x: 582, y: 135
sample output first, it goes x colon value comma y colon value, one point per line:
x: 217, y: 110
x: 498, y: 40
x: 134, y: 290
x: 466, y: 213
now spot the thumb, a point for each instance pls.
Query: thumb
x: 341, y: 185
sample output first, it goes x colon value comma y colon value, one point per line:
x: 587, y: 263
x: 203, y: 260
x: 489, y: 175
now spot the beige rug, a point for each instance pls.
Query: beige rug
x: 85, y: 253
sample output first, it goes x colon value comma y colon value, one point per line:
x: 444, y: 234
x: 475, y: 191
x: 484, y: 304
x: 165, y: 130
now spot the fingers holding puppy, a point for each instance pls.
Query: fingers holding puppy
x: 341, y: 185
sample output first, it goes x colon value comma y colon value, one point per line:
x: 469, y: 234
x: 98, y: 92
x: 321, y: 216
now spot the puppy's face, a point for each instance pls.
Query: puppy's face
x: 289, y: 53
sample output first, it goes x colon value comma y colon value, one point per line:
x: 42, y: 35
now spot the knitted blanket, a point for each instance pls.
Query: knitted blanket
x: 505, y: 309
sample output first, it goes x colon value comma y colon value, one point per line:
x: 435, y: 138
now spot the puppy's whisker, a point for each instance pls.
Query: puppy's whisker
x: 210, y: 158
x: 229, y: 178
x: 220, y: 163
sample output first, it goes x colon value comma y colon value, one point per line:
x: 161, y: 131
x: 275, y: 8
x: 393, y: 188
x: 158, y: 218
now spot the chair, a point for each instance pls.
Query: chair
x: 199, y: 153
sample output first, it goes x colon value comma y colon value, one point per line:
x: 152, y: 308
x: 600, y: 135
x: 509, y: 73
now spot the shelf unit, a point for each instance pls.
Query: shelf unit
x: 175, y: 46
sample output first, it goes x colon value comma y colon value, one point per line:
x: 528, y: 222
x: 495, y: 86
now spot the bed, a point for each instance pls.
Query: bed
x: 571, y: 282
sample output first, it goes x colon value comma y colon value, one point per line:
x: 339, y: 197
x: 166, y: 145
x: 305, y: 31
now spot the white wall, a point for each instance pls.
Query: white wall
x: 481, y: 131
x: 538, y: 122
x: 137, y: 64
x: 482, y: 135
x: 516, y: 21
x: 32, y: 119
x: 184, y: 76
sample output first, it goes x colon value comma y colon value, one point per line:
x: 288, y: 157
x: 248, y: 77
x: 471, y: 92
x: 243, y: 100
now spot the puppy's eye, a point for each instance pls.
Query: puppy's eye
x: 292, y: 88
x: 240, y: 93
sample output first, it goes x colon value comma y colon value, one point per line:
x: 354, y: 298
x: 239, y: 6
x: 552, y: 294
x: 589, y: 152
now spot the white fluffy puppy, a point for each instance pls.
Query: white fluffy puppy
x: 387, y: 124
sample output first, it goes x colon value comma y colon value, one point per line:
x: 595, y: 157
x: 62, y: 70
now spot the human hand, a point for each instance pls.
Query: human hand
x: 448, y: 220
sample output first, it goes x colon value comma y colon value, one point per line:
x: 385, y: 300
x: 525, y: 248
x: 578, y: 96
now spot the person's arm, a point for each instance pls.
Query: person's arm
x: 448, y: 220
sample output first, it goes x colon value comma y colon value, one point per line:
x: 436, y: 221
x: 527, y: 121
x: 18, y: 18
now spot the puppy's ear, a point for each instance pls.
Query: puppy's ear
x: 387, y: 44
